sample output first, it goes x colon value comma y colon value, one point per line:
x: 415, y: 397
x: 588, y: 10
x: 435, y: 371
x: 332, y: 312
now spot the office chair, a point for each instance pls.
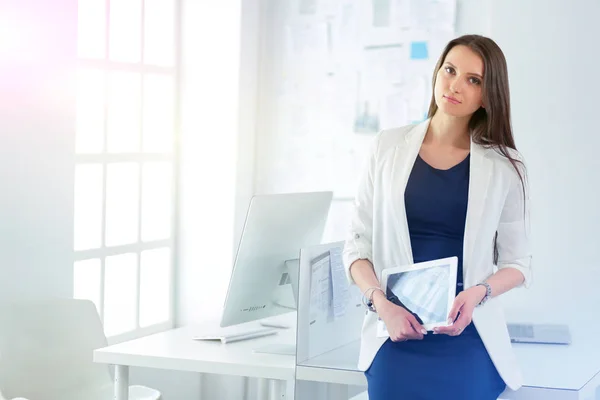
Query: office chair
x: 16, y: 398
x: 46, y: 353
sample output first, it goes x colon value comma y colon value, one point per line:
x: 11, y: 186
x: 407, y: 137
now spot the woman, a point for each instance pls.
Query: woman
x: 453, y: 185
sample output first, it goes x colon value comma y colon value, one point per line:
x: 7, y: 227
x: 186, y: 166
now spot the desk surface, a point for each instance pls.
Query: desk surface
x: 176, y: 350
x: 544, y: 366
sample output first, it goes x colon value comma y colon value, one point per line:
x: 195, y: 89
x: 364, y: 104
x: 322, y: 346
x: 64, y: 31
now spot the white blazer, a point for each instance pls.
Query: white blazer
x: 379, y: 232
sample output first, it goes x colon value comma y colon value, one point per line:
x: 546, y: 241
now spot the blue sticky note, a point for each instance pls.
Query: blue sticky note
x: 418, y: 51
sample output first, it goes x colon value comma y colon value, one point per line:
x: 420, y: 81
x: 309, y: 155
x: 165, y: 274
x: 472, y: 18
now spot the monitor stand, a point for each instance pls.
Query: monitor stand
x: 286, y: 349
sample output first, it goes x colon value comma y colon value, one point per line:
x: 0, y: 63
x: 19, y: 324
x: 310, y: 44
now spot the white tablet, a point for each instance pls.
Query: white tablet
x: 425, y: 289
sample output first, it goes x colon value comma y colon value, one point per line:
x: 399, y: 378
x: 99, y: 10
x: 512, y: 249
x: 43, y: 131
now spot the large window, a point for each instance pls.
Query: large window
x: 125, y: 162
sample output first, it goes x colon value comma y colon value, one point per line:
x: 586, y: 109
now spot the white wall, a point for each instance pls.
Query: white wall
x: 208, y: 155
x: 551, y: 47
x: 219, y: 83
x: 37, y: 132
x: 474, y: 17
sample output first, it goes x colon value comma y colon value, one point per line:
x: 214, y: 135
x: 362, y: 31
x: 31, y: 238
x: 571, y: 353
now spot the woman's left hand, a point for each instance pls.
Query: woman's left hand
x: 464, y: 303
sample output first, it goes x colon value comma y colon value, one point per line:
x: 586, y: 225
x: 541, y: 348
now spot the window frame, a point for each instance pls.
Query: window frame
x: 139, y: 158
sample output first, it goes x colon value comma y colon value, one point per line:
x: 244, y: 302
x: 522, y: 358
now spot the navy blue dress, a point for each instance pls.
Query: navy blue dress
x: 439, y: 366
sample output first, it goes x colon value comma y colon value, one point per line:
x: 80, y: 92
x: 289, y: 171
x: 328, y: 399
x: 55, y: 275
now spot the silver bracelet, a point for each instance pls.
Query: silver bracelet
x: 367, y: 299
x: 488, y: 293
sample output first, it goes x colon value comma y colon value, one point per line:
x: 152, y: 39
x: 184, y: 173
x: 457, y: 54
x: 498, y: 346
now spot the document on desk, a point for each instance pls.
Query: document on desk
x: 320, y: 289
x: 339, y: 283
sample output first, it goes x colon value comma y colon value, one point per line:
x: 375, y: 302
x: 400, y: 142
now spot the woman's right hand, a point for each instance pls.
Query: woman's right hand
x: 401, y: 325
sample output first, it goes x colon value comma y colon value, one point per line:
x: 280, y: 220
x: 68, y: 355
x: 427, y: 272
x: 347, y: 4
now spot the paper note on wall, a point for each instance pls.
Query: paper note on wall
x: 307, y: 7
x: 339, y: 283
x: 433, y: 14
x: 381, y: 10
x: 320, y: 289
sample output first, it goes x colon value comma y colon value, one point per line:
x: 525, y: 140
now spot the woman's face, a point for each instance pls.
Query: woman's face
x: 458, y: 84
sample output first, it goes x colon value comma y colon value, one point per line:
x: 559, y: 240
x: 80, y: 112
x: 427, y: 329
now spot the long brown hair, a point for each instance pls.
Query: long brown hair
x: 490, y: 126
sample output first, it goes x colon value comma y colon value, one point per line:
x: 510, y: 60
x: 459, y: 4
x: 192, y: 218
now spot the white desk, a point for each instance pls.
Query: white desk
x: 175, y: 350
x: 550, y: 372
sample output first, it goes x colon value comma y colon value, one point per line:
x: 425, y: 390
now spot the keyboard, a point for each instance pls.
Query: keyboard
x: 234, y: 335
x: 520, y: 331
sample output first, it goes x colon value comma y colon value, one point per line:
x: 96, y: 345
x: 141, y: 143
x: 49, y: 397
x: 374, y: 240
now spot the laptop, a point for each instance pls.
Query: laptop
x: 539, y: 333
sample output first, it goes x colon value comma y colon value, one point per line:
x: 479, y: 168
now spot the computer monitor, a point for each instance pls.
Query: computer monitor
x: 264, y: 281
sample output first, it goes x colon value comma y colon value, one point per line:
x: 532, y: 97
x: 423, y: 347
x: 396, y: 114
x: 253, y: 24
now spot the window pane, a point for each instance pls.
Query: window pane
x: 90, y: 111
x: 125, y: 28
x: 91, y: 28
x: 124, y: 112
x: 158, y: 113
x: 155, y: 283
x: 122, y: 203
x: 88, y: 207
x: 159, y: 32
x: 86, y: 281
x: 120, y: 294
x: 157, y: 194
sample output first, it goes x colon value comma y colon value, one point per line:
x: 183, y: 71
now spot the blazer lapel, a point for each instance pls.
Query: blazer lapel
x: 404, y: 158
x: 480, y: 172
x: 479, y: 179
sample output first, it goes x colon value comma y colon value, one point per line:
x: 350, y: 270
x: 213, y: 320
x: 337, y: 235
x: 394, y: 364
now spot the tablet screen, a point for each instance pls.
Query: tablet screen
x: 427, y: 290
x: 423, y: 292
